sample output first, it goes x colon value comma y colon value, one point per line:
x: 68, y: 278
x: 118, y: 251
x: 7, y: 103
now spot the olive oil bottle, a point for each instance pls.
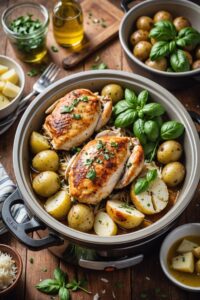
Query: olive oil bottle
x: 68, y: 23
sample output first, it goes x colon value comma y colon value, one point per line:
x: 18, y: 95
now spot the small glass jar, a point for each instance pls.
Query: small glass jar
x: 29, y: 47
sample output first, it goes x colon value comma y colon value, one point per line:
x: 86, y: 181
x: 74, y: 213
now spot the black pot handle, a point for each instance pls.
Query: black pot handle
x: 21, y: 230
x: 195, y: 117
x: 124, y: 5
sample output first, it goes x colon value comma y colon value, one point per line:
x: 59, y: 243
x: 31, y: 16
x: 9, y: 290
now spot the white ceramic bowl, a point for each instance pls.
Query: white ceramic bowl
x: 175, y: 235
x: 10, y: 63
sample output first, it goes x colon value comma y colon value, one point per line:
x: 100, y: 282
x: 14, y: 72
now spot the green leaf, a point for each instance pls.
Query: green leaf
x: 148, y: 148
x: 163, y: 31
x: 141, y: 186
x: 179, y: 61
x: 188, y: 36
x: 158, y: 120
x: 126, y: 118
x: 101, y: 66
x: 172, y: 46
x: 151, y: 130
x: 159, y: 49
x: 48, y: 286
x: 151, y: 175
x: 130, y: 97
x: 91, y: 174
x: 153, y: 110
x: 142, y: 98
x: 121, y: 106
x: 138, y: 130
x: 171, y: 130
x: 63, y: 293
x: 60, y: 276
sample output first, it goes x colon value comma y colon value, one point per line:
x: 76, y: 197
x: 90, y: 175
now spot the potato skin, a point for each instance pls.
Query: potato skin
x: 38, y: 142
x: 181, y: 22
x: 159, y: 64
x: 46, y: 183
x: 189, y: 57
x: 46, y: 160
x: 142, y: 50
x: 138, y: 36
x: 81, y: 217
x: 161, y: 16
x: 114, y: 91
x: 196, y: 64
x: 169, y: 151
x: 60, y: 208
x: 173, y: 173
x: 197, y: 52
x: 144, y: 23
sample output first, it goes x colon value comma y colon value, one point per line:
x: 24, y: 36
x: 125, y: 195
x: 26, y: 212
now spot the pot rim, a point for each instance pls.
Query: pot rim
x: 88, y: 238
x: 128, y: 52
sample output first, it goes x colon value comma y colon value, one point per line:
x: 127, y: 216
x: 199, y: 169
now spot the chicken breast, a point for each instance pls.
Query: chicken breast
x: 73, y: 119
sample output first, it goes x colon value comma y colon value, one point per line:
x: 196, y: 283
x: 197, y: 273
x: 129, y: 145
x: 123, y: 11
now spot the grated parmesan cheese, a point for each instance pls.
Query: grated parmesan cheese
x: 8, y: 270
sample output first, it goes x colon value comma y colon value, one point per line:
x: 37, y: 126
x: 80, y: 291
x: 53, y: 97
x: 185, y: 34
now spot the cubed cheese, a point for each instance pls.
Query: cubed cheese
x: 10, y: 76
x: 186, y: 246
x: 3, y: 69
x: 3, y: 101
x: 184, y: 263
x: 196, y: 252
x: 10, y: 90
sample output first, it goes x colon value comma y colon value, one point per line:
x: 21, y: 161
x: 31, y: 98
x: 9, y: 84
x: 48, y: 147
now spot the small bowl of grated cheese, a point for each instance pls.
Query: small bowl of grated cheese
x: 10, y: 268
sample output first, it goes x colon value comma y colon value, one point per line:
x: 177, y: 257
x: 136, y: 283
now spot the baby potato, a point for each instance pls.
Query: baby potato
x: 142, y: 50
x: 3, y: 101
x: 38, y: 142
x: 196, y: 64
x: 3, y: 69
x: 153, y: 41
x: 197, y: 52
x: 46, y: 183
x: 123, y: 214
x: 11, y: 76
x: 46, y: 160
x: 144, y: 23
x: 10, y: 90
x: 181, y: 22
x: 169, y: 151
x: 173, y: 173
x: 81, y: 217
x: 58, y: 205
x: 104, y: 225
x: 114, y: 91
x: 189, y: 57
x: 159, y: 64
x: 162, y: 15
x: 2, y: 84
x: 138, y: 36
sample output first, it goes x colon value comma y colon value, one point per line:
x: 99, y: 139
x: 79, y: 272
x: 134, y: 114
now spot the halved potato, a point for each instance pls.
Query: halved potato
x: 196, y: 252
x: 2, y: 83
x: 38, y: 142
x: 3, y: 101
x: 3, y: 69
x: 46, y: 160
x: 104, y: 225
x: 123, y: 214
x: 153, y: 200
x: 184, y: 263
x: 197, y: 267
x: 81, y: 217
x: 10, y: 90
x: 186, y: 246
x: 58, y: 205
x: 11, y: 76
x: 46, y: 183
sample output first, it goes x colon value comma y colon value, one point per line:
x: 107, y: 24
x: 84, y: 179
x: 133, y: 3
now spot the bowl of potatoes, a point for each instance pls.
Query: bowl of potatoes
x: 12, y: 81
x: 161, y: 40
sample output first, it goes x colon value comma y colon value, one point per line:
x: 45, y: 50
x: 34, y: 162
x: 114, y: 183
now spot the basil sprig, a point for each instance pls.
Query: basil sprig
x: 163, y: 31
x: 142, y: 184
x: 188, y: 36
x: 179, y: 61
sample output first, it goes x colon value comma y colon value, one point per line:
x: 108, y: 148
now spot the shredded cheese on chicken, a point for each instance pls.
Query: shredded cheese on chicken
x: 8, y: 270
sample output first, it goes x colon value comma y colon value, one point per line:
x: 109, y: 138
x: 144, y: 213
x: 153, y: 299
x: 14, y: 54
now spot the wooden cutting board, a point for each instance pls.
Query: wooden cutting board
x: 101, y: 24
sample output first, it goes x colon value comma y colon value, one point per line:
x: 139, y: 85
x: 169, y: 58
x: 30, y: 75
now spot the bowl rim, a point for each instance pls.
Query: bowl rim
x: 11, y: 250
x: 21, y: 79
x: 137, y: 61
x: 166, y: 244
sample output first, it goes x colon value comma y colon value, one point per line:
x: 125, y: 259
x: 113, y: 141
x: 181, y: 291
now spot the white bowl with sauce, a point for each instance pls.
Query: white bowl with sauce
x: 181, y: 232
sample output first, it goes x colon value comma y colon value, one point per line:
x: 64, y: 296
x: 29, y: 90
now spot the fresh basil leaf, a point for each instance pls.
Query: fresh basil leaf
x: 163, y: 31
x: 179, y: 61
x: 48, y: 286
x: 172, y: 46
x: 158, y: 120
x: 148, y: 148
x: 130, y: 97
x: 125, y: 118
x: 63, y: 293
x: 141, y: 186
x: 159, y: 49
x: 151, y: 130
x: 153, y: 110
x: 121, y: 106
x: 142, y: 98
x: 151, y: 175
x: 188, y: 36
x: 60, y: 276
x: 171, y: 130
x: 138, y: 130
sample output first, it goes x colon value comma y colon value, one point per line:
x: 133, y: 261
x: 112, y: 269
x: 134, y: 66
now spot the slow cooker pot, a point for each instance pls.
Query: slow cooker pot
x: 89, y: 250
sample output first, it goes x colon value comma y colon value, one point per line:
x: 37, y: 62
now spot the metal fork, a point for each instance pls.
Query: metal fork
x: 45, y: 80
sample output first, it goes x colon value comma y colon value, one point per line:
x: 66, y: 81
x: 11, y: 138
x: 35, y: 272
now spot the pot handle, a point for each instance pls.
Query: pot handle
x: 21, y: 230
x: 111, y: 265
x: 195, y: 117
x: 124, y: 5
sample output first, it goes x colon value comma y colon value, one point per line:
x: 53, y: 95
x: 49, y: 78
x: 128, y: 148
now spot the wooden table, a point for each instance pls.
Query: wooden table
x: 144, y: 281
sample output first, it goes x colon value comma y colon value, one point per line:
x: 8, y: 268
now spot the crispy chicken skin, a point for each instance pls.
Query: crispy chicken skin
x: 74, y: 118
x: 98, y: 167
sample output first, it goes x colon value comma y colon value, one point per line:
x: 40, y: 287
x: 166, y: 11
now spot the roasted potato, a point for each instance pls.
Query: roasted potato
x: 11, y: 76
x: 197, y: 52
x: 38, y: 142
x: 162, y: 15
x: 186, y: 246
x: 144, y: 23
x: 169, y: 151
x: 189, y: 57
x: 173, y: 173
x: 104, y: 225
x: 181, y: 22
x: 159, y: 64
x: 142, y: 50
x: 58, y: 205
x: 3, y: 69
x: 81, y: 217
x: 184, y: 262
x: 123, y: 214
x: 196, y: 64
x: 196, y: 252
x: 197, y: 267
x: 10, y: 90
x: 46, y: 183
x: 46, y: 160
x: 138, y: 36
x: 114, y: 91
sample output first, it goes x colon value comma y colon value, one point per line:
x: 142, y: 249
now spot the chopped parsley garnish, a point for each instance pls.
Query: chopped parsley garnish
x: 84, y: 99
x: 31, y: 260
x: 54, y: 48
x: 66, y: 109
x: 99, y: 161
x: 101, y: 66
x: 33, y: 72
x: 69, y: 108
x: 77, y: 116
x: 100, y: 145
x: 114, y: 144
x: 91, y: 174
x: 126, y: 206
x: 129, y: 165
x: 89, y: 161
x: 75, y: 149
x: 106, y: 156
x: 24, y: 25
